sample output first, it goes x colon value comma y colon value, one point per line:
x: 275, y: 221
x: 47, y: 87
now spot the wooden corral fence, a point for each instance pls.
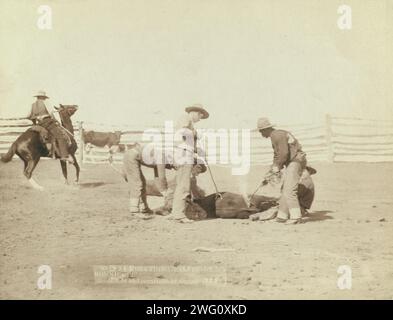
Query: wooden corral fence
x: 334, y: 139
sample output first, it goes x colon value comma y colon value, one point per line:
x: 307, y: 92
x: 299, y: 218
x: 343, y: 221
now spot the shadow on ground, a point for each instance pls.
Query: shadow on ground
x: 318, y: 216
x: 92, y: 184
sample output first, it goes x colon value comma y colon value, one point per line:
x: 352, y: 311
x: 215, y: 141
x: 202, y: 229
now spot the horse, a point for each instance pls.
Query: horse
x: 30, y: 147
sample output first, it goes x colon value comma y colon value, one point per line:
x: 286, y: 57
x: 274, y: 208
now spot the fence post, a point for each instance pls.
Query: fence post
x: 81, y: 144
x: 329, y: 135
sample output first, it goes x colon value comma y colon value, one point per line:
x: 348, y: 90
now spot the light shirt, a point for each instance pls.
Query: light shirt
x: 184, y: 148
x: 39, y: 110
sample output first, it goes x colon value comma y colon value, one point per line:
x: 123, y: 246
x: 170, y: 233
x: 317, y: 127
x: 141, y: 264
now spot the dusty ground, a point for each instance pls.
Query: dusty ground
x: 72, y: 229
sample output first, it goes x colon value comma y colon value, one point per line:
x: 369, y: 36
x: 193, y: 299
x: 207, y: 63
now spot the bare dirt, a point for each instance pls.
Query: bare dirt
x: 73, y: 228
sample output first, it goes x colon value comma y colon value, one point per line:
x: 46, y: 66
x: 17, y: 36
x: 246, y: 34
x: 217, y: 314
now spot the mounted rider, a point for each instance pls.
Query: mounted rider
x: 40, y: 115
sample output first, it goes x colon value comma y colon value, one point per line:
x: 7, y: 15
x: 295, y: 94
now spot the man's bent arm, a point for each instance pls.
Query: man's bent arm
x: 281, y: 150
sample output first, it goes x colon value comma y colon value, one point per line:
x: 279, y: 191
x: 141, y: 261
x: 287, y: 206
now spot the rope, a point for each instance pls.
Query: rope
x: 263, y: 183
x: 214, y: 182
x: 211, y: 175
x: 67, y: 130
x: 5, y: 119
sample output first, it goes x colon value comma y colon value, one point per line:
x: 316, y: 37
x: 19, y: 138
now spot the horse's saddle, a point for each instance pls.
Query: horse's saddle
x: 46, y: 138
x: 44, y: 134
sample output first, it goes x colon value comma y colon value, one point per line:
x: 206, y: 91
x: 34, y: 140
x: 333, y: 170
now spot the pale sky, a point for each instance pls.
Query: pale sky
x: 141, y: 62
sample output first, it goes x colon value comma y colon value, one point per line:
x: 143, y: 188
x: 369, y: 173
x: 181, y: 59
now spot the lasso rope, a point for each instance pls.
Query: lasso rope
x: 263, y: 183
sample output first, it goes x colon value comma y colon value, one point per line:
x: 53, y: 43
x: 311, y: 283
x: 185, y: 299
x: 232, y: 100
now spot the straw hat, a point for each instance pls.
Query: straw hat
x: 41, y: 94
x: 199, y: 108
x: 264, y: 123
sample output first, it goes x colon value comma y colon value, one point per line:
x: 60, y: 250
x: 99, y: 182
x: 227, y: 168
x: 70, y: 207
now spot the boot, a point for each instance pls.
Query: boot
x: 295, y: 213
x: 162, y: 211
x: 145, y: 212
x: 281, y: 216
x: 293, y: 221
x: 179, y: 217
x: 295, y: 216
x: 134, y: 205
x: 305, y: 212
x: 145, y: 209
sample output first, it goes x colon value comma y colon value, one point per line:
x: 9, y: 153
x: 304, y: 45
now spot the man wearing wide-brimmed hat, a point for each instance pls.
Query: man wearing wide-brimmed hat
x: 40, y: 115
x: 186, y: 153
x: 287, y: 153
x: 38, y: 109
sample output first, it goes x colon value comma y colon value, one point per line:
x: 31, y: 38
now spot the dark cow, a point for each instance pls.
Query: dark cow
x: 101, y: 139
x: 233, y: 206
x: 228, y: 206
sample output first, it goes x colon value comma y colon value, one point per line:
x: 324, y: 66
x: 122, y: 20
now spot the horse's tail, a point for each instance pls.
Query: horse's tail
x: 8, y: 156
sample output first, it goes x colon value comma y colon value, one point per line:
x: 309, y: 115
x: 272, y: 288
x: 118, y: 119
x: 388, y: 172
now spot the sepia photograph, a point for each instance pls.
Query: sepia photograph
x: 196, y: 150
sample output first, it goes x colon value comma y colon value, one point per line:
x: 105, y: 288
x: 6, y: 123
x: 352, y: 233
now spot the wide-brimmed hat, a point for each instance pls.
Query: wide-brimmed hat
x: 41, y: 94
x: 198, y: 107
x: 264, y: 123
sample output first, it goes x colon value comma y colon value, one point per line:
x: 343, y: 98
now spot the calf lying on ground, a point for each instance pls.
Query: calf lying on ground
x: 233, y: 206
x: 228, y: 206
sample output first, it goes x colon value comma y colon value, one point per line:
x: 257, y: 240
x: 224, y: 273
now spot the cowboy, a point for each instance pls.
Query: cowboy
x: 186, y: 153
x: 40, y: 115
x: 288, y: 154
x: 133, y: 161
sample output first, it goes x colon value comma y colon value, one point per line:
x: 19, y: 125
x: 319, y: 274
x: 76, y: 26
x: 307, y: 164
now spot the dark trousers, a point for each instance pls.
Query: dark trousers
x: 62, y: 141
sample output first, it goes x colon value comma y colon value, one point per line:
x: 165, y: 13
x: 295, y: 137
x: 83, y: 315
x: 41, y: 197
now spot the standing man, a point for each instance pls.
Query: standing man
x: 287, y: 153
x: 40, y: 115
x: 185, y: 158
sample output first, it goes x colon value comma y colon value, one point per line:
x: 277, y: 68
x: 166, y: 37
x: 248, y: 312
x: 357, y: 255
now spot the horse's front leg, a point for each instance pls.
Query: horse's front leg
x: 63, y: 164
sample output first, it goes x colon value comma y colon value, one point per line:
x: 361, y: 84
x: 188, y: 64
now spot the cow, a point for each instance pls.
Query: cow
x: 228, y: 205
x: 100, y: 139
x: 225, y: 205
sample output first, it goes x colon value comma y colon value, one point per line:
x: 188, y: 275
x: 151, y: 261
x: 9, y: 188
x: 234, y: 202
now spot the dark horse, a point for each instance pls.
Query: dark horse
x: 30, y: 147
